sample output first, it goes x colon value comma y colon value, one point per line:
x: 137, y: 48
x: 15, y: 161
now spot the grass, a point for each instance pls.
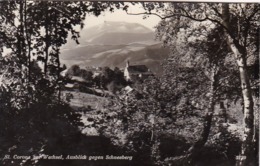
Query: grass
x: 85, y: 100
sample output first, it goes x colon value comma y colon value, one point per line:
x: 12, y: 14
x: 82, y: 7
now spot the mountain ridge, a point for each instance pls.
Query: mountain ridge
x: 113, y: 43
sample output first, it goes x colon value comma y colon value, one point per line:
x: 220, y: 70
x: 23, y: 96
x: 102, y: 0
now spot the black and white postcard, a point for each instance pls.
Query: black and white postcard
x: 88, y: 83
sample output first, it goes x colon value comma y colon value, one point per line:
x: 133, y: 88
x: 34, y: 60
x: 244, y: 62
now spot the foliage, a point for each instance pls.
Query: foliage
x: 175, y: 103
x: 35, y: 120
x: 112, y: 80
x: 33, y: 115
x: 138, y: 118
x: 74, y: 70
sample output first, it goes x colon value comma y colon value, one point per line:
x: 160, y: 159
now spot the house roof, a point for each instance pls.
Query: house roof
x: 63, y: 73
x: 68, y: 85
x: 138, y: 69
x: 79, y: 79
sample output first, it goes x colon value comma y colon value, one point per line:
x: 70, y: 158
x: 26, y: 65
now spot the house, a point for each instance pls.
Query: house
x: 136, y: 72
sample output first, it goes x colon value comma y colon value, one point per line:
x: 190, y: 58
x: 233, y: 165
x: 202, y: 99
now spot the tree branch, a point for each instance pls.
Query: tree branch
x: 217, y: 12
x: 145, y: 13
x: 188, y: 15
x: 248, y: 24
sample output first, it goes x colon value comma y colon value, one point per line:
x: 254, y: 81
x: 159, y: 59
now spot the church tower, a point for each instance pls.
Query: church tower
x: 126, y: 72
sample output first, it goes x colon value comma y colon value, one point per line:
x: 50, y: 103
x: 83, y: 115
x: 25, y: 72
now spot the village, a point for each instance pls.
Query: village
x: 92, y: 88
x: 103, y: 80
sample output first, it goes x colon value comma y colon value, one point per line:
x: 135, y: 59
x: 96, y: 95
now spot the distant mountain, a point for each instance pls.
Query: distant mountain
x: 112, y: 44
x: 114, y: 33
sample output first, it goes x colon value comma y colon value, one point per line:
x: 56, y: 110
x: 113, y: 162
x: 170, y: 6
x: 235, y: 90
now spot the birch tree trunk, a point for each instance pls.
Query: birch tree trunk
x: 247, y: 150
x: 248, y: 156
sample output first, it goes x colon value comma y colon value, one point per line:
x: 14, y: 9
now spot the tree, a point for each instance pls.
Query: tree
x: 87, y: 74
x: 30, y: 111
x: 142, y: 116
x: 239, y: 21
x: 210, y: 53
x: 165, y: 103
x: 119, y: 77
x: 74, y: 70
x: 30, y: 93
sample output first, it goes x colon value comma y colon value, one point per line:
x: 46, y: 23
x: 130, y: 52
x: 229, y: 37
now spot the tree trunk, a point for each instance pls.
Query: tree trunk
x: 57, y: 57
x: 223, y: 111
x: 248, y: 156
x: 20, y: 34
x: 28, y: 39
x: 207, y: 120
x: 46, y: 40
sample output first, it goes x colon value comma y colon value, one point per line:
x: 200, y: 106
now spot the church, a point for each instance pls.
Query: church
x: 136, y: 72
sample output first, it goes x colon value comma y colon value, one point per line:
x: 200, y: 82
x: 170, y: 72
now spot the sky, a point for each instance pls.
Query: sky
x: 122, y: 16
